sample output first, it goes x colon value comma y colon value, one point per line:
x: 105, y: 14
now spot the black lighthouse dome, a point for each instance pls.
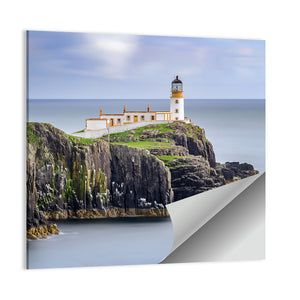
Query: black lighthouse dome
x: 176, y: 80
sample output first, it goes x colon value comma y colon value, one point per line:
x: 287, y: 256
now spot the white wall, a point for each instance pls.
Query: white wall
x: 160, y: 117
x: 179, y: 106
x: 95, y: 124
x: 98, y: 133
x: 115, y: 118
x: 146, y: 114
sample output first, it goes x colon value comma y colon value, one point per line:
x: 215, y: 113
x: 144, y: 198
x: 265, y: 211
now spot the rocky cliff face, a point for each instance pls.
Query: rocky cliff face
x: 138, y: 179
x: 188, y: 154
x: 69, y: 178
x: 137, y: 173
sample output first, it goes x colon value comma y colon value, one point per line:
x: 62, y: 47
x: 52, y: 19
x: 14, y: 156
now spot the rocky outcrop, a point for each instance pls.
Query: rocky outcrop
x: 77, y: 178
x: 192, y: 175
x: 41, y: 231
x: 185, y: 137
x: 234, y: 170
x: 189, y: 156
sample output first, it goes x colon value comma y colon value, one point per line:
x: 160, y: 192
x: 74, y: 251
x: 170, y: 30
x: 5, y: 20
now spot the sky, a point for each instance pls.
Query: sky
x: 64, y: 65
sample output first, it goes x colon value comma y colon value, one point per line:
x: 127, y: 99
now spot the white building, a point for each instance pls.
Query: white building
x: 176, y: 113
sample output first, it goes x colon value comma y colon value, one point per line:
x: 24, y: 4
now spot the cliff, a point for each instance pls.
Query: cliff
x: 188, y: 155
x: 77, y: 178
x: 136, y: 172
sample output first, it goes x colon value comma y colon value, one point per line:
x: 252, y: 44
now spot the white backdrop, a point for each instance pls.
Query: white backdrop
x: 274, y: 278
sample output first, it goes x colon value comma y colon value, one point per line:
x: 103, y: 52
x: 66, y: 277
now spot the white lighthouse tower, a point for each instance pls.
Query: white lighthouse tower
x: 177, y: 100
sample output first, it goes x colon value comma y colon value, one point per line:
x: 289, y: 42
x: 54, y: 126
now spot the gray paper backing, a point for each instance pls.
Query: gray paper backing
x: 230, y: 221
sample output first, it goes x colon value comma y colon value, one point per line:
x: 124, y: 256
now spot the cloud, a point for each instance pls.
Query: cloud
x: 111, y: 54
x: 245, y: 51
x: 88, y: 55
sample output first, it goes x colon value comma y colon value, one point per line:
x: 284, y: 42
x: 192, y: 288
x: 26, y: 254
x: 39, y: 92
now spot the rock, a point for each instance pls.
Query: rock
x: 246, y: 167
x: 164, y: 140
x: 192, y: 175
x: 213, y: 172
x: 231, y: 170
x: 228, y: 175
x: 31, y: 236
x: 137, y: 174
x: 172, y: 151
x: 66, y: 176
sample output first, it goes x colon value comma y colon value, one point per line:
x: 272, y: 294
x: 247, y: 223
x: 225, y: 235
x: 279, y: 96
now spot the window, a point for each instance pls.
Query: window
x: 176, y: 110
x: 176, y: 119
x: 119, y: 121
x: 152, y: 118
x: 128, y: 118
x: 142, y: 118
x: 176, y: 101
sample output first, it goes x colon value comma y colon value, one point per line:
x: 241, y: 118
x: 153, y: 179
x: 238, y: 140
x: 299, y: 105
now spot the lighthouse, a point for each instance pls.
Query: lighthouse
x: 177, y: 100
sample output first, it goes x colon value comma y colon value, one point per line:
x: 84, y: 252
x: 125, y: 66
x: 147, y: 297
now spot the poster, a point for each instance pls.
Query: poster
x: 136, y: 143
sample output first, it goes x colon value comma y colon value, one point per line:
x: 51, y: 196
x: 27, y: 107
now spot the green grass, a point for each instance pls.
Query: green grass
x: 86, y: 141
x: 80, y: 140
x: 120, y: 134
x: 167, y: 158
x: 32, y: 138
x: 79, y: 131
x: 163, y: 128
x: 145, y: 144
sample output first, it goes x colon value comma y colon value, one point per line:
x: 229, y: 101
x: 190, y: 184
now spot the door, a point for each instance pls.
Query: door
x: 111, y: 122
x: 135, y: 118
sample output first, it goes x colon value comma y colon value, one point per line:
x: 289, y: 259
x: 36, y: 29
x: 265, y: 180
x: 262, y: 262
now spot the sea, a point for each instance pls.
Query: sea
x: 103, y: 242
x: 236, y: 128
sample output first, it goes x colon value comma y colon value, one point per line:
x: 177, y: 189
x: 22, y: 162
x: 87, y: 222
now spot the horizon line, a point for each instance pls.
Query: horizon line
x: 143, y: 98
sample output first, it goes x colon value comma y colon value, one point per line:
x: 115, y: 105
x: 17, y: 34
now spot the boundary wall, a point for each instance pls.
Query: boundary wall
x: 99, y: 133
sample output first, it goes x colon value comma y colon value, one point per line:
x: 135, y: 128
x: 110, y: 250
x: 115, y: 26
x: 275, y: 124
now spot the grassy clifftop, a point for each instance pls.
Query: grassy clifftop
x: 167, y: 141
x: 153, y: 136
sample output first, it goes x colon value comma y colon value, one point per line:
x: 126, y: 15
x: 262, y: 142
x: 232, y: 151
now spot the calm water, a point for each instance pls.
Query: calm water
x: 236, y: 128
x: 104, y: 242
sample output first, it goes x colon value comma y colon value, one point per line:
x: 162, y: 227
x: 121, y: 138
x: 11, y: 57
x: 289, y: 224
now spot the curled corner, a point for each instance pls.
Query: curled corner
x: 190, y: 214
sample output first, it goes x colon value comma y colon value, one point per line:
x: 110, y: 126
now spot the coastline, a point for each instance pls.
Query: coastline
x: 104, y: 213
x: 43, y: 231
